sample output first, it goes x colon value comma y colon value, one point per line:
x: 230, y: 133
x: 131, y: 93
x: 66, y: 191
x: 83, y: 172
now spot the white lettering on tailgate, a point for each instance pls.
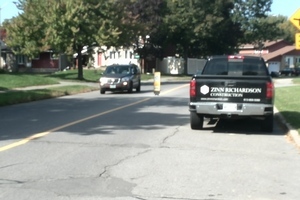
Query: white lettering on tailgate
x: 228, y: 92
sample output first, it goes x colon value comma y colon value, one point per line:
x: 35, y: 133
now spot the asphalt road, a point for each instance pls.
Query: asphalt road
x: 139, y: 146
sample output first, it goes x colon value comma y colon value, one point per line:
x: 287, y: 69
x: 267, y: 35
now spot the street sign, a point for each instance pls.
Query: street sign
x: 295, y: 19
x: 297, y: 41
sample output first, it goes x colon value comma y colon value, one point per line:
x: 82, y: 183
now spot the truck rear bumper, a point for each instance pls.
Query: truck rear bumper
x: 232, y: 109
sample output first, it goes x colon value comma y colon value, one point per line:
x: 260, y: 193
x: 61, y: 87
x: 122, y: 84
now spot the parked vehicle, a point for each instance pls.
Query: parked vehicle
x: 232, y: 87
x: 297, y: 71
x: 275, y: 74
x: 121, y: 78
x: 289, y: 72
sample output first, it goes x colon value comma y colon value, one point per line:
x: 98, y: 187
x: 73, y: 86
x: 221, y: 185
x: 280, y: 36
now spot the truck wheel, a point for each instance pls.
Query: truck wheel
x: 267, y: 125
x: 196, y: 121
x: 102, y: 91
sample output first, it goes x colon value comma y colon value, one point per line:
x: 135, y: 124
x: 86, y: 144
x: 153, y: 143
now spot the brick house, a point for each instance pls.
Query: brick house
x: 277, y: 54
x: 46, y: 61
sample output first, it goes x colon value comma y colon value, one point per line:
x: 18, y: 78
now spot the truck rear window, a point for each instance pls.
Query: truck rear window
x: 239, y: 67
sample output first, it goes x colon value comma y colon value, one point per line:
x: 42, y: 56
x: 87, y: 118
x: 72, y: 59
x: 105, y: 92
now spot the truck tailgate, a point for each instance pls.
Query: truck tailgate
x: 234, y: 90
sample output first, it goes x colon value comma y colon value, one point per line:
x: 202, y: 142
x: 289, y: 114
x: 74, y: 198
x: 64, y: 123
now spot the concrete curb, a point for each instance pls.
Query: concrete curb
x: 292, y: 133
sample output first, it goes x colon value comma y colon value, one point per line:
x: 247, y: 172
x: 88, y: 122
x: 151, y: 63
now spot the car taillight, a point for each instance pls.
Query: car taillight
x: 270, y: 90
x: 193, y: 88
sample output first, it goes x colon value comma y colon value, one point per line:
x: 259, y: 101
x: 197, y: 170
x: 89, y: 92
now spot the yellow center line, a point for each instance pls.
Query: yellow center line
x: 42, y: 134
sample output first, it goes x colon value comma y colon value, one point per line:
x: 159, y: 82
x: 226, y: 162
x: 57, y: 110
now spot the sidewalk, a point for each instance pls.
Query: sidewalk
x: 61, y: 83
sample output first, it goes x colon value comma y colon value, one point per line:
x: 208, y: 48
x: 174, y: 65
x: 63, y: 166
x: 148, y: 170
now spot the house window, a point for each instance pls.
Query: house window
x: 21, y: 59
x: 129, y: 54
x: 112, y: 55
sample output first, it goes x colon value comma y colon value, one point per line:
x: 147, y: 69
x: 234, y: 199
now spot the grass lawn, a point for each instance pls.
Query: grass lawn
x: 287, y: 101
x: 15, y: 97
x: 8, y: 81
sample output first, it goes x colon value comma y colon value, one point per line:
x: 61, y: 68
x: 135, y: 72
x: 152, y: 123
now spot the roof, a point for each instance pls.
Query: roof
x: 270, y: 43
x: 270, y: 55
x: 279, y: 52
x: 266, y: 44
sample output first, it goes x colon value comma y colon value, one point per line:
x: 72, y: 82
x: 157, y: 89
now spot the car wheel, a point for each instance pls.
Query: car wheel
x: 138, y: 89
x: 267, y: 125
x: 130, y: 88
x: 196, y: 121
x: 102, y: 91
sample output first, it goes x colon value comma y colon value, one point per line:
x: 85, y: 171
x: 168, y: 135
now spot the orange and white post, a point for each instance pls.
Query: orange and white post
x: 156, y: 83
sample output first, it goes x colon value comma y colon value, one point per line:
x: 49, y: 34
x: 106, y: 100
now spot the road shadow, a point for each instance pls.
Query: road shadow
x: 246, y: 126
x: 106, y: 114
x: 109, y: 113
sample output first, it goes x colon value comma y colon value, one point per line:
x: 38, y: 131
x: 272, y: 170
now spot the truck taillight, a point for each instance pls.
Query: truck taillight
x: 270, y: 90
x: 236, y: 57
x: 193, y: 88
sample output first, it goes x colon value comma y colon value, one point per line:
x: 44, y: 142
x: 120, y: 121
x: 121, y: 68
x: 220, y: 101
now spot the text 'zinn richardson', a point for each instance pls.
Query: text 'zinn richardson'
x: 236, y: 90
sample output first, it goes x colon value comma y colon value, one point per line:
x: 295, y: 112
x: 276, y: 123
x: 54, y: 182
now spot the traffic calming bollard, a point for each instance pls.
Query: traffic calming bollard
x: 156, y: 83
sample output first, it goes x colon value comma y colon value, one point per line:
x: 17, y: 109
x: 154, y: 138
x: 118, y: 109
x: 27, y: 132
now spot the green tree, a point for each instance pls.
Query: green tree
x: 285, y: 28
x: 251, y: 15
x: 195, y: 28
x: 149, y: 17
x: 68, y: 25
x: 26, y: 32
x: 200, y: 28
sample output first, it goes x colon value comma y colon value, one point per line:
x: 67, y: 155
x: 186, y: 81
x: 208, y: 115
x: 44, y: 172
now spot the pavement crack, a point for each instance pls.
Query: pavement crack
x: 9, y: 181
x: 6, y: 166
x: 106, y: 168
x: 168, y: 137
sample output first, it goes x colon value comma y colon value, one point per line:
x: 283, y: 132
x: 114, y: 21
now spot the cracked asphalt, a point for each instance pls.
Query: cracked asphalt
x: 139, y: 147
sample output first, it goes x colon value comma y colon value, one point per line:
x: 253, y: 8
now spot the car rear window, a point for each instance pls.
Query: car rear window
x: 235, y: 67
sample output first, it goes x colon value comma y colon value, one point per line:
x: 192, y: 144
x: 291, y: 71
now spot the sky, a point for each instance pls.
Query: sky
x: 279, y: 7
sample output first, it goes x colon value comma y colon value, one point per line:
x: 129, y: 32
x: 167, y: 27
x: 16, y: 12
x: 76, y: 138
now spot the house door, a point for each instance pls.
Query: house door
x: 289, y: 61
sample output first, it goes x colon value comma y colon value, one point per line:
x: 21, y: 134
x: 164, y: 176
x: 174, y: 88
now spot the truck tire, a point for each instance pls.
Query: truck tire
x: 102, y: 91
x: 267, y: 125
x: 196, y: 121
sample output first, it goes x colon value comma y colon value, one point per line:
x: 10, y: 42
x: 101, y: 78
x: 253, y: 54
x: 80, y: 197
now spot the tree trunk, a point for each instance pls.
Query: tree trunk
x: 80, y: 68
x: 185, y: 57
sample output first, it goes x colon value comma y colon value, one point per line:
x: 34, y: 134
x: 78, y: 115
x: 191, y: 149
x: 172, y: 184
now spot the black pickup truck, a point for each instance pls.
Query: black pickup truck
x: 232, y: 86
